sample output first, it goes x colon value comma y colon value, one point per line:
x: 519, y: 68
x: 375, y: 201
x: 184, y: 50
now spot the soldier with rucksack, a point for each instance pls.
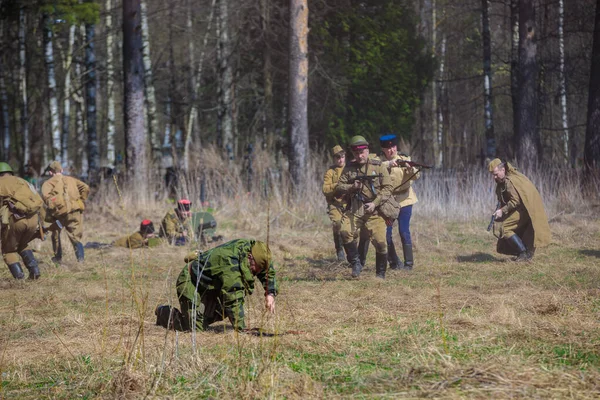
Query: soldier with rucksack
x: 65, y: 197
x: 21, y: 210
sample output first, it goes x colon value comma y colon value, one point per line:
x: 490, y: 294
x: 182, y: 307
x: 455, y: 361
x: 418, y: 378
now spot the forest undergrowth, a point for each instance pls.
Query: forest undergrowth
x: 465, y: 323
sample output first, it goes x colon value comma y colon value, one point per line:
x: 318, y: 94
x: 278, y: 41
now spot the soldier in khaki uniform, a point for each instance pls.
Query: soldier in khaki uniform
x: 176, y: 226
x: 365, y: 198
x: 138, y: 239
x: 335, y: 204
x: 402, y: 179
x: 21, y: 210
x: 65, y: 197
x: 520, y: 218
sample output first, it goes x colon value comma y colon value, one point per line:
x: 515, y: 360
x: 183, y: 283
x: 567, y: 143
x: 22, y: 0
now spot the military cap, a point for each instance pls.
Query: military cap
x: 358, y: 141
x: 184, y: 204
x: 262, y: 255
x: 4, y: 167
x: 493, y: 164
x: 146, y: 227
x: 387, y: 141
x: 337, y: 149
x: 55, y: 166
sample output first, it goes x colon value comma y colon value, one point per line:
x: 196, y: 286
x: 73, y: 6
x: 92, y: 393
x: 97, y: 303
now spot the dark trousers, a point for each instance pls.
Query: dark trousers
x: 403, y: 226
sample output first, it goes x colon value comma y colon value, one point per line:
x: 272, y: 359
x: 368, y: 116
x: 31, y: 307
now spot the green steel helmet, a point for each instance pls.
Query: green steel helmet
x: 4, y: 167
x: 358, y: 141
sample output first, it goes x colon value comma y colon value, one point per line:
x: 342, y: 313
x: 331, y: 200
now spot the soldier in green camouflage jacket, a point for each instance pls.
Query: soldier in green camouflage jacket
x: 213, y: 284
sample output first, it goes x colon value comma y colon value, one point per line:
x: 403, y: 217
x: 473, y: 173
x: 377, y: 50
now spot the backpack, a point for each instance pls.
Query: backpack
x: 57, y: 200
x: 25, y: 200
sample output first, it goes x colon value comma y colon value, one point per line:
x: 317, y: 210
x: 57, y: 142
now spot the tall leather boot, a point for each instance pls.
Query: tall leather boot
x: 517, y: 243
x: 79, y: 251
x: 393, y: 259
x: 16, y: 271
x: 408, y: 256
x: 339, y: 246
x: 31, y: 264
x: 381, y: 261
x: 353, y: 259
x: 363, y: 250
x: 56, y: 248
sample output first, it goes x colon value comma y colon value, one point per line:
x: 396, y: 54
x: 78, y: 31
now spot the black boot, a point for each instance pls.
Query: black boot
x: 363, y: 250
x: 408, y: 256
x: 79, y: 251
x: 16, y: 271
x: 353, y: 259
x: 339, y: 246
x: 31, y: 264
x: 517, y: 243
x: 393, y: 259
x: 57, y: 249
x: 381, y: 261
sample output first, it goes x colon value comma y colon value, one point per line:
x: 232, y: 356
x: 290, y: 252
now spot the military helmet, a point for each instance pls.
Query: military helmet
x: 4, y: 167
x: 358, y: 141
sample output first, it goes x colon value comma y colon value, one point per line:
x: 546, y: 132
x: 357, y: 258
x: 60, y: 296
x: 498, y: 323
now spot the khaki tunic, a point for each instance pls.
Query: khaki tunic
x: 522, y: 212
x: 133, y: 241
x: 17, y: 230
x: 172, y: 227
x: 65, y: 198
x: 402, y: 180
x: 355, y: 219
x: 335, y: 204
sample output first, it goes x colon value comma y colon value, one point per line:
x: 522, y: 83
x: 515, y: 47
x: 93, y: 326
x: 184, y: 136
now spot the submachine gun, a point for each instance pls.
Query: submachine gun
x: 365, y: 180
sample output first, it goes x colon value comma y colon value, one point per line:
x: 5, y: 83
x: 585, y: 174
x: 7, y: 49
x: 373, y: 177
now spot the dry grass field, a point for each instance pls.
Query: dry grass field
x: 465, y: 323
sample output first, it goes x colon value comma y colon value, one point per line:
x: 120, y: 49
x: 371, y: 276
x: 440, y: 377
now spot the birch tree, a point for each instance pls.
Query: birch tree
x: 51, y: 79
x: 225, y: 79
x: 110, y: 95
x: 528, y: 142
x: 5, y: 138
x: 562, y: 82
x: 436, y: 143
x: 150, y: 95
x: 267, y: 114
x: 133, y: 109
x: 514, y: 63
x: 298, y: 92
x: 90, y: 102
x: 23, y: 88
x: 66, y: 120
x: 490, y: 140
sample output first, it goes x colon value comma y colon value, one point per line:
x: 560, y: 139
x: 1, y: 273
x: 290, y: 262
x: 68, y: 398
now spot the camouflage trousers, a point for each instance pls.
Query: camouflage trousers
x: 206, y: 306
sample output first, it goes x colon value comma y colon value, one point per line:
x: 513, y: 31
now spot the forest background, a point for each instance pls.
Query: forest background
x: 143, y: 85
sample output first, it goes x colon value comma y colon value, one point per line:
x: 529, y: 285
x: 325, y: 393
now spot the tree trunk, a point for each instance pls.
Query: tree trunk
x: 225, y: 80
x: 66, y: 121
x: 528, y: 142
x: 133, y: 107
x: 150, y: 101
x: 439, y: 162
x: 488, y: 100
x: 110, y: 95
x: 514, y: 65
x: 52, y: 99
x: 80, y: 130
x: 563, y: 83
x: 197, y: 86
x: 90, y: 103
x: 268, y: 124
x: 435, y: 142
x: 23, y: 88
x: 591, y: 157
x: 298, y: 93
x: 5, y: 138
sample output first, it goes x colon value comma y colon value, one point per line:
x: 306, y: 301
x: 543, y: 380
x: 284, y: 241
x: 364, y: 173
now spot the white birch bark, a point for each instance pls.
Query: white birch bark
x: 110, y: 96
x: 226, y: 79
x: 66, y: 121
x: 434, y: 95
x: 150, y: 98
x: 23, y: 88
x: 80, y: 126
x: 52, y: 99
x: 197, y: 80
x: 439, y: 162
x: 563, y: 83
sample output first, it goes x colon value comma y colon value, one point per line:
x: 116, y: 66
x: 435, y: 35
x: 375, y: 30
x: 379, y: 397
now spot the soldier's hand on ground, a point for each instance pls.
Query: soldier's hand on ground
x: 369, y: 207
x: 498, y: 214
x: 270, y: 303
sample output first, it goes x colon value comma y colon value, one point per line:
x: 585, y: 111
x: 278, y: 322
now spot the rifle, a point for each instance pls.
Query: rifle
x: 489, y: 228
x: 406, y: 163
